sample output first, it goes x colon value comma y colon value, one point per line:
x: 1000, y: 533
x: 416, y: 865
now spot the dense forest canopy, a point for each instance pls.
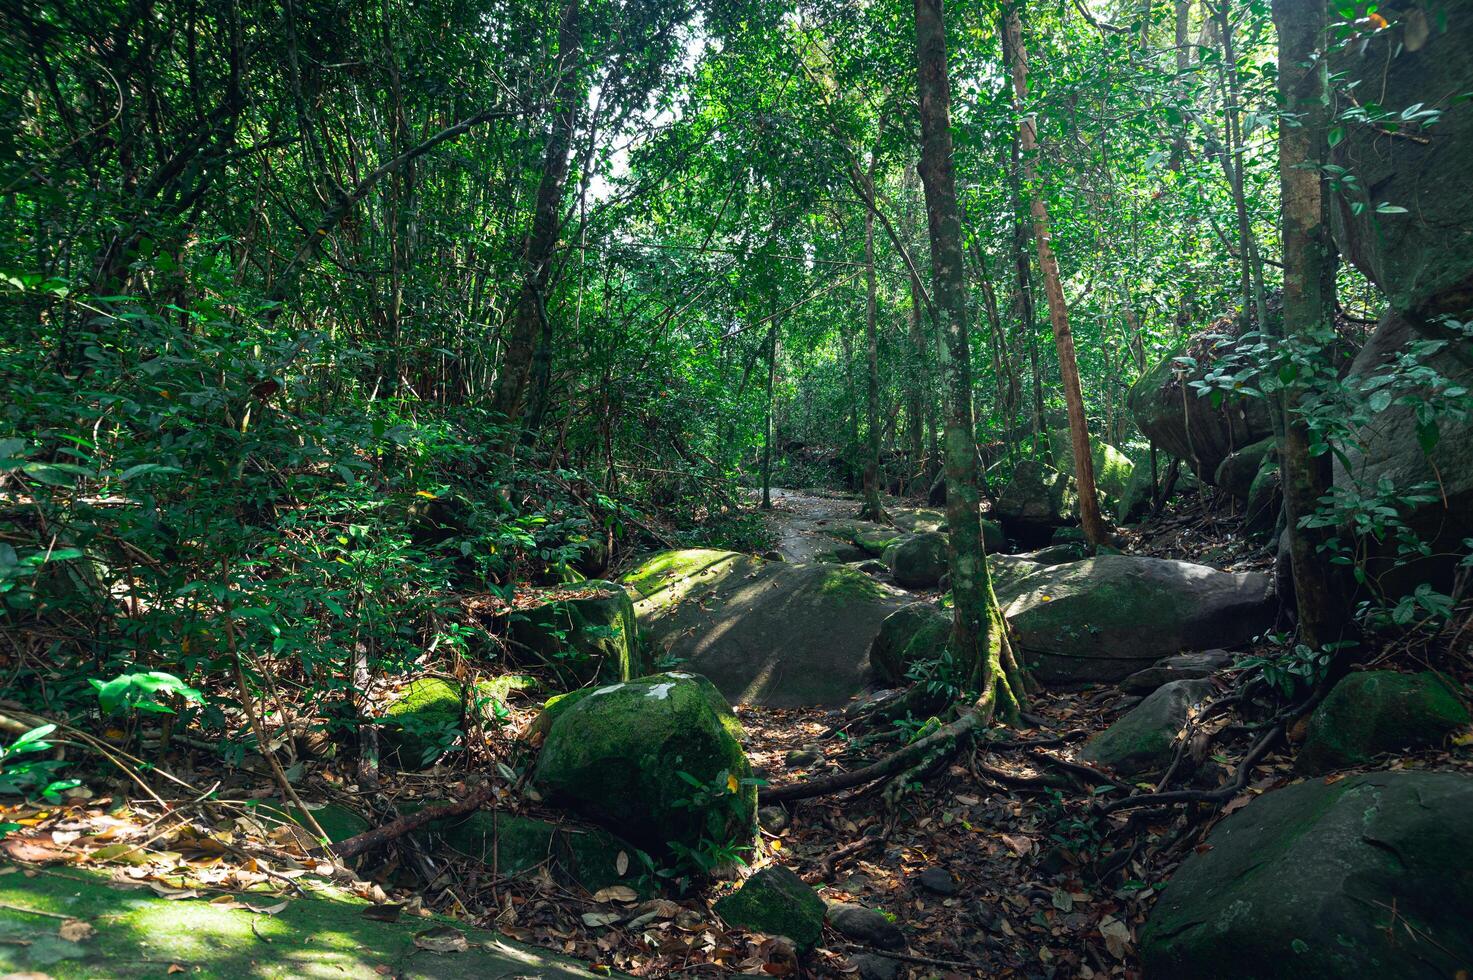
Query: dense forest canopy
x: 353, y: 348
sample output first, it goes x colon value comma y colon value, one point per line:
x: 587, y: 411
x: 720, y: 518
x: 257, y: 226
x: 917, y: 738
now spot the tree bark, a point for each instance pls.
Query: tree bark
x: 1309, y: 305
x: 874, y: 508
x: 979, y: 633
x: 516, y: 359
x: 767, y: 431
x: 1084, y: 474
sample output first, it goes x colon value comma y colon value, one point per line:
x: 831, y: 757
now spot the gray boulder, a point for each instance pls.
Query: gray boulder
x: 1179, y: 667
x: 775, y: 901
x: 1370, y: 876
x: 1144, y: 739
x: 1265, y: 502
x: 908, y: 636
x: 1236, y: 473
x: 1036, y: 499
x: 1104, y: 618
x: 920, y: 561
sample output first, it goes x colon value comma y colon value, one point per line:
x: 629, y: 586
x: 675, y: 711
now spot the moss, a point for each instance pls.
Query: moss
x: 661, y: 573
x: 593, y: 637
x: 614, y: 754
x: 1112, y: 467
x: 418, y: 719
x: 321, y: 934
x: 910, y: 635
x: 875, y: 540
x: 1379, y: 711
x: 775, y: 901
x: 849, y: 583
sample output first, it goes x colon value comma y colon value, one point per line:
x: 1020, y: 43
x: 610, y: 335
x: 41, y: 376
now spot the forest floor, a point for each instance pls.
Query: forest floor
x: 989, y: 865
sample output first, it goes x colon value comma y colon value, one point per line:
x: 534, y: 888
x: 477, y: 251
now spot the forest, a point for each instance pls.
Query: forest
x: 689, y: 488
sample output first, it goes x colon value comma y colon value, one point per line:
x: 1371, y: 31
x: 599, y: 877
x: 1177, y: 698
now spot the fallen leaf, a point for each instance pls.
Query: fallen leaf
x: 75, y: 930
x: 621, y: 863
x: 595, y: 920
x: 616, y: 893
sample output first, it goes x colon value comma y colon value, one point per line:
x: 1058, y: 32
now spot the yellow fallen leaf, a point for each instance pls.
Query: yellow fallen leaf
x: 1463, y: 739
x: 732, y: 784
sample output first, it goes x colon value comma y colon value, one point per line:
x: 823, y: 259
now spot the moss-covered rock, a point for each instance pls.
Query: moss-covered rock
x: 590, y: 637
x: 911, y: 634
x: 1135, y: 502
x: 1106, y: 617
x: 615, y: 754
x: 517, y: 845
x: 843, y: 553
x: 1265, y: 501
x: 1036, y: 499
x: 422, y: 722
x: 1144, y: 739
x: 919, y: 561
x: 322, y: 933
x: 874, y: 540
x: 1112, y: 468
x: 1379, y: 711
x: 775, y: 901
x: 1370, y: 876
x: 1235, y: 473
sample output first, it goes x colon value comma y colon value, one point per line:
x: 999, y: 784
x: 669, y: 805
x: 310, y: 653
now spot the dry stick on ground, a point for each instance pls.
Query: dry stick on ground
x: 1220, y: 795
x: 379, y: 836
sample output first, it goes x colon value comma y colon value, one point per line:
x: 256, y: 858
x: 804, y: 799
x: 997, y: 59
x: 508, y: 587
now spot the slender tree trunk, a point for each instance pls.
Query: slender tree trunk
x: 526, y: 324
x: 874, y: 508
x: 1022, y: 266
x: 1084, y: 474
x: 1183, y: 62
x: 1255, y: 302
x: 1309, y: 304
x: 979, y: 633
x: 767, y: 435
x: 919, y: 389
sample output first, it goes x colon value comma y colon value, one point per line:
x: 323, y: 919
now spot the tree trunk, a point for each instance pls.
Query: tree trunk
x: 979, y: 633
x: 1022, y: 267
x: 1309, y: 298
x: 767, y: 435
x: 874, y: 508
x: 516, y: 359
x: 1084, y: 474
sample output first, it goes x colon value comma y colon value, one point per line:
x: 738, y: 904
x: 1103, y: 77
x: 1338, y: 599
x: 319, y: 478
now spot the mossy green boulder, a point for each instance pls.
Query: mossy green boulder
x: 1370, y: 876
x: 919, y: 561
x: 912, y: 634
x: 782, y: 634
x: 1112, y: 467
x: 616, y: 754
x: 775, y: 901
x: 1036, y: 499
x: 591, y: 636
x: 517, y: 845
x: 1102, y: 619
x: 1235, y: 473
x: 422, y: 722
x: 1144, y: 739
x: 1379, y: 711
x: 323, y: 933
x: 874, y: 540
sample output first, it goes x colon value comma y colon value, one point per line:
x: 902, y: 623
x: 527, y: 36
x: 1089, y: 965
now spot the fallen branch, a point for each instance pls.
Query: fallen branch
x: 1222, y: 794
x: 372, y: 839
x: 913, y: 958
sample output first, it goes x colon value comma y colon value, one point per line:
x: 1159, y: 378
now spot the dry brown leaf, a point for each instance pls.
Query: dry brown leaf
x: 616, y: 893
x: 75, y: 930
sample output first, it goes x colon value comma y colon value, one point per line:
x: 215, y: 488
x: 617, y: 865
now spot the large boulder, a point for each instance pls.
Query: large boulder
x: 1379, y: 711
x: 1422, y: 256
x: 1112, y: 468
x: 1265, y: 501
x: 910, y: 635
x: 919, y: 561
x: 783, y: 634
x: 1391, y: 454
x: 1104, y: 618
x: 584, y: 632
x: 1201, y: 431
x: 422, y: 722
x: 1144, y: 739
x: 620, y: 756
x: 1036, y: 499
x: 1370, y: 876
x: 1177, y: 667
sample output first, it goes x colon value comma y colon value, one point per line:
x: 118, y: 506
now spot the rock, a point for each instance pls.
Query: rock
x: 920, y: 561
x: 1178, y: 667
x: 421, y: 722
x: 844, y: 554
x: 1265, y: 502
x: 938, y: 881
x: 1379, y: 711
x: 1169, y: 412
x: 1144, y: 739
x: 874, y: 540
x: 593, y: 637
x: 1236, y: 473
x: 865, y: 926
x: 1067, y: 535
x: 1135, y: 502
x: 773, y: 819
x: 773, y: 555
x: 1112, y: 468
x: 1106, y: 617
x: 1006, y: 570
x: 1421, y: 259
x: 802, y: 758
x: 1370, y: 876
x: 1058, y: 554
x: 776, y: 634
x: 871, y: 701
x: 1389, y: 451
x: 910, y: 635
x: 614, y: 754
x: 873, y: 966
x: 1036, y: 499
x: 517, y: 845
x: 777, y: 902
x: 871, y: 566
